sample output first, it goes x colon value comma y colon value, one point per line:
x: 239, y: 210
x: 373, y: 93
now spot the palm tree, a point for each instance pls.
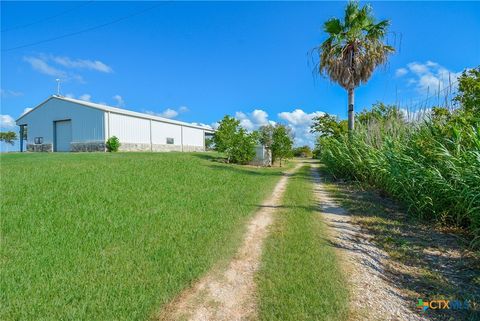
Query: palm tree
x: 353, y: 49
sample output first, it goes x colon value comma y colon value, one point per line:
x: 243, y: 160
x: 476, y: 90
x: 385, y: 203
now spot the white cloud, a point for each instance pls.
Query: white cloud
x: 431, y: 77
x: 49, y: 65
x: 43, y: 67
x: 298, y: 117
x: 255, y: 119
x: 418, y: 68
x: 82, y: 64
x: 401, y: 72
x: 202, y: 125
x: 7, y: 122
x: 26, y: 110
x: 119, y: 100
x: 9, y: 93
x: 297, y: 120
x: 417, y: 115
x: 169, y: 112
x: 245, y: 122
x: 85, y: 97
x: 300, y: 122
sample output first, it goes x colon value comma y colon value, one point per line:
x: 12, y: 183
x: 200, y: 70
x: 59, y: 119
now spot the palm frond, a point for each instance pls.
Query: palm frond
x: 354, y: 47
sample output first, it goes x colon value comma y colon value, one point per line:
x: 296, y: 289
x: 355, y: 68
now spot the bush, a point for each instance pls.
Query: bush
x: 231, y: 139
x: 113, y: 144
x: 302, y: 151
x: 243, y: 149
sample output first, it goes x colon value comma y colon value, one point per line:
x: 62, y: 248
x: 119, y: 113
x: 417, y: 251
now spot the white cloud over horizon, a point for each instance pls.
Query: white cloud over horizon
x: 9, y: 93
x: 85, y: 97
x: 254, y: 120
x: 429, y: 77
x: 82, y: 64
x: 297, y: 120
x: 51, y: 65
x: 43, y: 67
x: 119, y: 100
x: 7, y: 122
x: 169, y: 112
x: 401, y: 72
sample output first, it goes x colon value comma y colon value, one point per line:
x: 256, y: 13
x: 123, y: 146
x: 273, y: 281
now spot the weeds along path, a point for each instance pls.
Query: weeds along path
x: 373, y: 297
x: 228, y: 294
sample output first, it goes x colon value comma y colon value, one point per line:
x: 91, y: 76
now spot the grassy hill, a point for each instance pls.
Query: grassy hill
x: 114, y: 236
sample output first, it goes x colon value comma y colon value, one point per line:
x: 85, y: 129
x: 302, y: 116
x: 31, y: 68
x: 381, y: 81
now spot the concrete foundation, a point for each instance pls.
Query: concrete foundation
x: 130, y: 147
x: 40, y: 147
x: 88, y: 147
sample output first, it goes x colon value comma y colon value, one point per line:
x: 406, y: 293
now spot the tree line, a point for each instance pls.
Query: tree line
x: 238, y: 144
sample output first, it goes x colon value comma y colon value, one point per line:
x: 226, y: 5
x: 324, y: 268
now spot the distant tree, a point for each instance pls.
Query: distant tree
x: 328, y: 125
x: 380, y: 112
x: 8, y: 137
x: 302, y: 151
x: 469, y: 90
x: 282, y: 143
x: 353, y: 49
x: 265, y: 135
x: 231, y: 139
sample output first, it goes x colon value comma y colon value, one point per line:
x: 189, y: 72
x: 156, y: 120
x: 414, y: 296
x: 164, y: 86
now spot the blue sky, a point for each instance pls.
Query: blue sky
x: 197, y: 61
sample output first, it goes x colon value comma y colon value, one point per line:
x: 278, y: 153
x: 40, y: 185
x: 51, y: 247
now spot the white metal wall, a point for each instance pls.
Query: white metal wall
x: 130, y: 129
x: 162, y: 131
x: 193, y: 136
x: 87, y: 123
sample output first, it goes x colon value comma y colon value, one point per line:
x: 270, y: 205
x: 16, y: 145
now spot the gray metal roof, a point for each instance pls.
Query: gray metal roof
x: 117, y: 111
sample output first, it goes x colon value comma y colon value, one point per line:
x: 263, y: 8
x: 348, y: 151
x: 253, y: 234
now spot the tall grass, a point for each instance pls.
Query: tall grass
x: 432, y: 166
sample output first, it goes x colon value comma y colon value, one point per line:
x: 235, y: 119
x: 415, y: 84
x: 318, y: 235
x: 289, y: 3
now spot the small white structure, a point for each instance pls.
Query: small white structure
x: 63, y: 124
x: 263, y: 156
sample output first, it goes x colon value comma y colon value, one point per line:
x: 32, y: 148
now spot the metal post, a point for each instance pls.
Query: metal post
x: 181, y: 136
x: 21, y: 138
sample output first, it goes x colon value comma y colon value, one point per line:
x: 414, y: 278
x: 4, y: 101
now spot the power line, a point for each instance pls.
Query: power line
x: 84, y: 30
x: 48, y: 18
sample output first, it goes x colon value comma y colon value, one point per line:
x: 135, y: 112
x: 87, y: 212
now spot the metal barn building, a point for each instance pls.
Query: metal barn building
x: 61, y: 124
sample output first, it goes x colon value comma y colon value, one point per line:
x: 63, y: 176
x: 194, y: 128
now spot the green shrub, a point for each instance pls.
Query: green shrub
x: 231, y: 139
x: 113, y: 144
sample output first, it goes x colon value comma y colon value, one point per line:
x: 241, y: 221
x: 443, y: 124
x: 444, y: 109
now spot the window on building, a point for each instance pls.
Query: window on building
x: 38, y: 140
x: 170, y: 140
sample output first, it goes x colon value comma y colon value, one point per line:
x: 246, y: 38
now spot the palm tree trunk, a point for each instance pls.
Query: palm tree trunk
x: 351, y: 115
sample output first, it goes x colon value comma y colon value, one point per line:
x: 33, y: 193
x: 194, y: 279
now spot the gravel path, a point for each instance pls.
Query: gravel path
x: 229, y: 294
x: 373, y: 298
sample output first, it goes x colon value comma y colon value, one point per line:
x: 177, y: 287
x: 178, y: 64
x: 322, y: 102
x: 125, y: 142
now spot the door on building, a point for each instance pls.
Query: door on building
x: 63, y: 135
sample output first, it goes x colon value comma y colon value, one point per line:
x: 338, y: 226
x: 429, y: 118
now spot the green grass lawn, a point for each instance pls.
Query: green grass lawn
x: 300, y: 277
x: 115, y: 236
